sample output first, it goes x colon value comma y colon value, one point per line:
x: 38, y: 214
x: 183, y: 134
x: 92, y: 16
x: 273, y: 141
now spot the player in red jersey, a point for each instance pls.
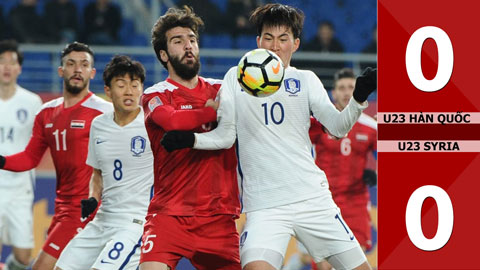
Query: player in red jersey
x: 344, y: 161
x: 63, y: 126
x: 193, y: 210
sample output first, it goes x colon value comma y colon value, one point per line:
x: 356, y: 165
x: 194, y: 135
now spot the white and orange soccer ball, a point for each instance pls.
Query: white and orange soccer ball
x: 260, y: 72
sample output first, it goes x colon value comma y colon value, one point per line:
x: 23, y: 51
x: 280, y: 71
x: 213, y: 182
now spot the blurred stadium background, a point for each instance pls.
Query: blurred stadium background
x: 353, y: 21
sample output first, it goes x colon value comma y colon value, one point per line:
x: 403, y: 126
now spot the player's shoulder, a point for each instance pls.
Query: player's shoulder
x: 97, y: 103
x: 102, y: 119
x: 302, y: 77
x: 26, y: 94
x: 367, y: 121
x: 52, y: 104
x: 212, y: 81
x: 160, y: 87
x: 231, y: 75
x: 301, y: 73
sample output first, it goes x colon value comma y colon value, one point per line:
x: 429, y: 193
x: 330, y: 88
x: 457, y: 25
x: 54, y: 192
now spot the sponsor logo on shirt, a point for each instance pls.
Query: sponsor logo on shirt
x: 243, y: 238
x: 77, y: 124
x: 137, y: 145
x: 154, y: 102
x: 49, y: 125
x: 186, y: 107
x: 292, y: 86
x: 361, y: 137
x: 22, y: 115
x: 99, y: 141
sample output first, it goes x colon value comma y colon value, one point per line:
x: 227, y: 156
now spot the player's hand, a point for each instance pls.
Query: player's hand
x: 212, y: 103
x: 88, y: 206
x: 178, y: 139
x: 370, y: 177
x: 2, y: 161
x: 365, y: 84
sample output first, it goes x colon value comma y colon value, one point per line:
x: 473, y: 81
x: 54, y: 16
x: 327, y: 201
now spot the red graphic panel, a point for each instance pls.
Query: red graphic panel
x: 402, y: 171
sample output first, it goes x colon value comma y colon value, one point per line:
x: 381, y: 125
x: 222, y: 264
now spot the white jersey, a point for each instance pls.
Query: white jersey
x: 276, y: 166
x: 124, y: 156
x: 16, y: 123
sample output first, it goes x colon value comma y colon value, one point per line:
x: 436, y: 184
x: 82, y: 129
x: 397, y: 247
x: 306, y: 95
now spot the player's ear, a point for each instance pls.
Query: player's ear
x: 164, y: 55
x: 258, y: 41
x: 92, y: 73
x: 296, y: 44
x: 107, y: 90
x: 60, y: 71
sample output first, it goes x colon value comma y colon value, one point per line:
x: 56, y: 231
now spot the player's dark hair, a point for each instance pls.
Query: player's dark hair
x: 76, y: 47
x: 174, y: 17
x: 11, y: 45
x: 121, y: 65
x: 343, y: 73
x: 278, y: 15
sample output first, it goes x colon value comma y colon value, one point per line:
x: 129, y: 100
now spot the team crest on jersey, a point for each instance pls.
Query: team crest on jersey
x: 292, y: 85
x: 137, y: 145
x: 22, y: 115
x: 77, y: 124
x: 154, y: 102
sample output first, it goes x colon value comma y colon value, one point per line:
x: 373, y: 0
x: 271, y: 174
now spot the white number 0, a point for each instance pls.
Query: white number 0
x: 414, y: 63
x: 148, y: 243
x: 413, y: 218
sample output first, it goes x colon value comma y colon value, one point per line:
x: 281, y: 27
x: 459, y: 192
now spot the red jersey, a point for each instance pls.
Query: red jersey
x: 65, y: 132
x: 188, y: 182
x: 344, y: 160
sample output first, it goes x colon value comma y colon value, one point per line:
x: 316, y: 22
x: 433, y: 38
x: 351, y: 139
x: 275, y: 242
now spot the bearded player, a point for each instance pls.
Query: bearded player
x: 193, y: 210
x: 63, y: 126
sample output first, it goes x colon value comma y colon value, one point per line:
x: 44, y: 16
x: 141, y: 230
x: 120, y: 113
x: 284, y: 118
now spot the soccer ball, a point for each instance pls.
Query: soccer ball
x: 260, y: 72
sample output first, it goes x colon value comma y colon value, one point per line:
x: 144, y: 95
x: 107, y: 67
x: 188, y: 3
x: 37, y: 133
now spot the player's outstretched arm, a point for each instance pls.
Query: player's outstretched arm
x: 225, y: 134
x: 33, y: 153
x: 168, y: 118
x: 177, y: 139
x: 365, y: 84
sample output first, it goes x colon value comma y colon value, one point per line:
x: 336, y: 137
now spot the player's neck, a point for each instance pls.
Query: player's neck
x: 192, y: 83
x: 340, y: 108
x: 123, y: 118
x: 7, y: 90
x: 70, y: 99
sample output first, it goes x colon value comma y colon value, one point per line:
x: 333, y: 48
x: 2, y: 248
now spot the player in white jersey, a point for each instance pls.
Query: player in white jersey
x: 120, y: 154
x: 284, y: 193
x: 18, y: 108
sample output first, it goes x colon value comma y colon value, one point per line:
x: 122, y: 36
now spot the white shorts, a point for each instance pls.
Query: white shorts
x: 103, y: 248
x: 323, y: 232
x: 16, y: 221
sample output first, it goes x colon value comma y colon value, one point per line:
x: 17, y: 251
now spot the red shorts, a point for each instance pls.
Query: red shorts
x: 358, y: 219
x: 208, y: 242
x: 66, y: 223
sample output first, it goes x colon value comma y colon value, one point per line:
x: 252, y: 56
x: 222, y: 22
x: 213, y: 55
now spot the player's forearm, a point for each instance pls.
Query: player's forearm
x: 225, y: 134
x: 96, y: 185
x: 22, y: 161
x: 222, y: 137
x: 170, y: 119
x: 339, y: 124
